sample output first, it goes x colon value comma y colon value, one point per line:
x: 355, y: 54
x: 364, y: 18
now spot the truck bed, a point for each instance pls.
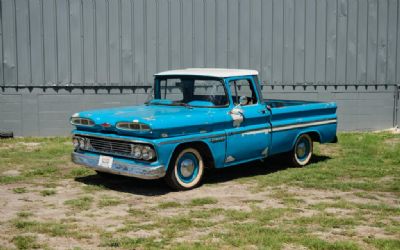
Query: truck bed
x: 289, y: 118
x: 278, y: 103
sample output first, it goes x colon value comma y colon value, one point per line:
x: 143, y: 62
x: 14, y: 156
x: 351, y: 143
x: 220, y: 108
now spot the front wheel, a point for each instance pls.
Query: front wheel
x: 185, y: 170
x: 302, y: 151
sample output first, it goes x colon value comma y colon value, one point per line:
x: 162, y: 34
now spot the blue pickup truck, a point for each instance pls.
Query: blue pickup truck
x: 196, y: 119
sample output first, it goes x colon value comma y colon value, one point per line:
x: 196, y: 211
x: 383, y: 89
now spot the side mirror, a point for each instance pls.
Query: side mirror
x: 243, y: 100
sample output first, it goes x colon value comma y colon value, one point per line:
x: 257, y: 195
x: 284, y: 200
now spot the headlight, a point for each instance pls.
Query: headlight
x: 75, y: 142
x: 137, y: 151
x: 142, y: 152
x: 82, y: 143
x: 77, y: 121
x: 147, y: 153
x: 133, y: 126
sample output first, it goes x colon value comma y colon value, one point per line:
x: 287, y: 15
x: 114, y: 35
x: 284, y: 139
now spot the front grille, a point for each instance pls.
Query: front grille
x: 106, y: 146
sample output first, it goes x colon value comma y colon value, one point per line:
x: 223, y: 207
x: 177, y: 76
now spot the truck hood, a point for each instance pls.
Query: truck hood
x: 162, y: 119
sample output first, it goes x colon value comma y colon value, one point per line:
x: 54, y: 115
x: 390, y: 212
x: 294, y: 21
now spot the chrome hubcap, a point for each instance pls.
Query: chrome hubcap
x: 301, y: 149
x: 187, y: 167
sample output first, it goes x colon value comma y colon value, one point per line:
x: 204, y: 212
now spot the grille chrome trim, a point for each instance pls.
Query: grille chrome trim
x: 109, y: 146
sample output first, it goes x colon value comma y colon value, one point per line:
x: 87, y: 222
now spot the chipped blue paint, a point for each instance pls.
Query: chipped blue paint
x: 267, y: 127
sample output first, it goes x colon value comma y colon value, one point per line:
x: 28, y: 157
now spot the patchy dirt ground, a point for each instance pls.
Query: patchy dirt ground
x: 327, y: 205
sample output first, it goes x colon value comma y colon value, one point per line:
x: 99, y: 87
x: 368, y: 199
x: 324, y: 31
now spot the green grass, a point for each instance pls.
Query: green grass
x: 107, y: 201
x: 360, y: 161
x: 169, y: 204
x: 81, y: 203
x: 48, y: 192
x: 203, y: 201
x: 26, y: 242
x: 52, y: 228
x: 20, y: 190
x: 277, y: 214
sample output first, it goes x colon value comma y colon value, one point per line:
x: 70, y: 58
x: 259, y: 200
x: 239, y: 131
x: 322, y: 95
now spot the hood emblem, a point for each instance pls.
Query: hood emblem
x: 105, y: 125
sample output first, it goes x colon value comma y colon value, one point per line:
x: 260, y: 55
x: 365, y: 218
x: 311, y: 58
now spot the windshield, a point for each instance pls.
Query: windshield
x: 190, y: 91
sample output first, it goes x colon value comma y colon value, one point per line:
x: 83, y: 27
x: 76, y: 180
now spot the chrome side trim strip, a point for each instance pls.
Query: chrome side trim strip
x: 120, y: 167
x: 191, y: 139
x: 251, y: 131
x: 302, y: 125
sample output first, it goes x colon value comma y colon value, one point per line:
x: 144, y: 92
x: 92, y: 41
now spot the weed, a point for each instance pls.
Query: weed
x: 48, y: 192
x: 169, y: 204
x: 81, y: 203
x: 203, y: 201
x: 26, y: 242
x: 106, y: 201
x: 20, y: 190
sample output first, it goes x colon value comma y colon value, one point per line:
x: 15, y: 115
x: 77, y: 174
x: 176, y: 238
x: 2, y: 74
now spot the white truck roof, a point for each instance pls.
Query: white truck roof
x: 212, y: 72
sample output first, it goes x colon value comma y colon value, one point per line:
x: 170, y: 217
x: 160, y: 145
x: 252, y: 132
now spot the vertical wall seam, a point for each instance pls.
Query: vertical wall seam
x: 69, y: 41
x: 357, y: 29
x: 250, y: 30
x: 133, y: 41
x: 29, y: 43
x: 304, y: 42
x: 336, y: 39
x: 347, y: 42
x: 227, y: 34
x: 294, y: 41
x: 377, y: 42
x: 180, y: 33
x: 283, y: 41
x: 82, y: 44
x: 204, y: 32
x: 387, y: 42
x: 315, y: 41
x: 397, y: 44
x: 239, y: 29
x: 16, y: 43
x: 108, y: 40
x: 56, y: 39
x: 326, y: 38
x: 272, y: 45
x: 42, y: 37
x: 121, y: 79
x: 192, y: 36
x: 96, y: 81
x: 2, y: 42
x: 367, y: 45
x: 145, y: 82
x: 261, y: 49
x: 157, y: 37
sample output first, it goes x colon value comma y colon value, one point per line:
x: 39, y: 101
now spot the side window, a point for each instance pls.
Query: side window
x: 240, y: 88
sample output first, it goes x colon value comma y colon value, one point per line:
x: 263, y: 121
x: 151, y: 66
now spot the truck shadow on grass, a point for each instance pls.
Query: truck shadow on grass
x: 212, y: 176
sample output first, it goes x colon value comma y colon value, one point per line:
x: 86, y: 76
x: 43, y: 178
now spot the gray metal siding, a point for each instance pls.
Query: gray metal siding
x: 346, y: 51
x: 124, y: 42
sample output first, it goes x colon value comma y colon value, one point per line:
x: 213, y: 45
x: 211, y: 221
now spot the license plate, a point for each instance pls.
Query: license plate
x: 105, y: 161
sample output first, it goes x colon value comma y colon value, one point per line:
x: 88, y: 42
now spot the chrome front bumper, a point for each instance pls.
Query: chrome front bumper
x: 120, y: 167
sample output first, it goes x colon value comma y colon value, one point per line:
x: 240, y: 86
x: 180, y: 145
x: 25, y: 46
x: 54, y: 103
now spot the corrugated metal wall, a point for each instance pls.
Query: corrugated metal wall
x: 124, y: 42
x: 346, y: 51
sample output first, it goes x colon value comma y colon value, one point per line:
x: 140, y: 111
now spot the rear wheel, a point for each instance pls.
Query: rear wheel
x: 302, y: 151
x: 185, y: 170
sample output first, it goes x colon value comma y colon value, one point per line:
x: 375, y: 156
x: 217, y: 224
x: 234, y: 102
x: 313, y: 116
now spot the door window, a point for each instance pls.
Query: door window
x: 242, y: 87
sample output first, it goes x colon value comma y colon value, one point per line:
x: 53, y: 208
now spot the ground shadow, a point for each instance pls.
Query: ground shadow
x: 158, y: 187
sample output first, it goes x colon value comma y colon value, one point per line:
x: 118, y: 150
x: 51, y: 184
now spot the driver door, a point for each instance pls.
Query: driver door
x: 250, y: 135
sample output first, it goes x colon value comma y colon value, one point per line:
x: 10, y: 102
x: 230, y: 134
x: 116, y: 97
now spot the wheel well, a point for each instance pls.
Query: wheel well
x: 314, y: 136
x: 202, y: 147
